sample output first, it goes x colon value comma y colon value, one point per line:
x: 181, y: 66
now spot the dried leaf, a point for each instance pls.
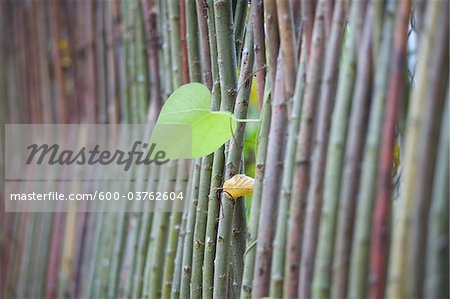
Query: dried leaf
x: 237, y: 186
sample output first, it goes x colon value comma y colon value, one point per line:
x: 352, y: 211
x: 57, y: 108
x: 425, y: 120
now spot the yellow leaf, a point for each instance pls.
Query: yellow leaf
x: 237, y: 186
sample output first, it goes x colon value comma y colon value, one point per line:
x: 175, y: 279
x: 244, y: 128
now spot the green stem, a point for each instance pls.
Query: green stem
x: 176, y: 282
x: 195, y: 76
x: 143, y: 239
x: 158, y: 183
x: 279, y: 244
x: 306, y: 223
x: 271, y: 184
x: 252, y: 228
x: 240, y: 13
x: 227, y: 70
x: 272, y: 40
x: 200, y: 227
x: 195, y: 73
x: 189, y: 235
x: 338, y: 135
x: 239, y: 225
x: 175, y: 43
x: 207, y: 162
x: 174, y: 230
x: 437, y: 258
x: 158, y: 256
x: 217, y: 167
x: 353, y: 157
x: 287, y: 44
x: 426, y: 69
x: 438, y: 76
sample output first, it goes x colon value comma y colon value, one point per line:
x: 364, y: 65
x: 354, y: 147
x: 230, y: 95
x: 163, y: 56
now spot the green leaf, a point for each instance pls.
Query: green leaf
x: 186, y: 113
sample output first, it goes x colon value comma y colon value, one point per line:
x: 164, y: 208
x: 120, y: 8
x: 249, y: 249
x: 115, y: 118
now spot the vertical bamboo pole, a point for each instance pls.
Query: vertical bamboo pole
x: 272, y: 39
x: 235, y: 157
x: 260, y: 49
x: 360, y: 254
x: 149, y: 11
x: 338, y: 135
x: 397, y: 285
x: 205, y: 52
x: 279, y: 243
x: 190, y: 53
x: 301, y: 178
x: 266, y: 112
x: 189, y: 206
x: 271, y: 185
x: 176, y: 282
x: 207, y: 162
x: 287, y: 46
x: 252, y: 228
x: 436, y: 90
x: 195, y: 75
x: 161, y: 284
x: 352, y: 167
x: 193, y: 41
x: 227, y: 71
x: 173, y: 232
x: 224, y: 234
x: 195, y: 16
x: 240, y: 13
x: 149, y: 262
x: 436, y: 285
x: 159, y: 257
x: 288, y: 49
x: 272, y: 46
x: 325, y: 107
x: 127, y: 115
x: 151, y: 28
x: 189, y: 234
x: 217, y: 167
x: 140, y: 82
x: 395, y: 95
